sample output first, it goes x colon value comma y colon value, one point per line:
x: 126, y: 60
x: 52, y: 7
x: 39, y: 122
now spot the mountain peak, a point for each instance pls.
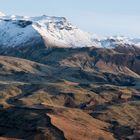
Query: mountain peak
x: 55, y: 31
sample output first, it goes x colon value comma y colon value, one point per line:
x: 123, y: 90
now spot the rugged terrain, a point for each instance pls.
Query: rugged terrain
x: 69, y: 93
x: 59, y: 91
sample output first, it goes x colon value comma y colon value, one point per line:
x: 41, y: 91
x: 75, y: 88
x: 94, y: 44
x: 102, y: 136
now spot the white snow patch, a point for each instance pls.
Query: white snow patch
x: 55, y: 31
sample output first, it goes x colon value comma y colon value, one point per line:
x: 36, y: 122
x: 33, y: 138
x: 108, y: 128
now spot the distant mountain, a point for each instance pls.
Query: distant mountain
x: 18, y: 31
x: 115, y: 41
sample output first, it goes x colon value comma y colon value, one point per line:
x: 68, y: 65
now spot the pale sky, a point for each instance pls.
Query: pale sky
x: 102, y: 17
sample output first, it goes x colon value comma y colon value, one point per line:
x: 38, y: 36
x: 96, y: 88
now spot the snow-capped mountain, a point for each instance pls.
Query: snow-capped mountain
x: 115, y: 41
x: 18, y: 31
x: 136, y: 41
x: 54, y: 31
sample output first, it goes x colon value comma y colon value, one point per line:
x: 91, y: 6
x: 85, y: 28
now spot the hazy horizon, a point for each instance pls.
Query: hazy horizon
x: 104, y: 18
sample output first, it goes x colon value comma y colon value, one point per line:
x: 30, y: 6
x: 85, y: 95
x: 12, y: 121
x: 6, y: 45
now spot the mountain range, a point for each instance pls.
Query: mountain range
x: 54, y: 32
x: 58, y: 82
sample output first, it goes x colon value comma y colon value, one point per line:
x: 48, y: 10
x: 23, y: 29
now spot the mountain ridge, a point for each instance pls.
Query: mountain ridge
x: 55, y: 85
x: 53, y: 32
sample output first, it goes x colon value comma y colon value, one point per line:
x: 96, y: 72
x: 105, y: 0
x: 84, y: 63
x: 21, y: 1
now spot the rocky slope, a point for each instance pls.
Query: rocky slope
x: 53, y: 88
x: 60, y: 91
